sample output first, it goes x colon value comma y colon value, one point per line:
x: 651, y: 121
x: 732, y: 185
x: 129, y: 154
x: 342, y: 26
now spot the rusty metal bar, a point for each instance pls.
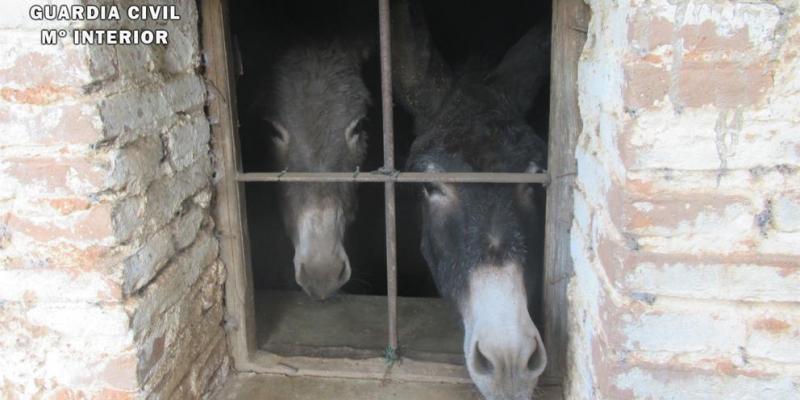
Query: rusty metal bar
x: 388, y: 165
x: 399, y: 177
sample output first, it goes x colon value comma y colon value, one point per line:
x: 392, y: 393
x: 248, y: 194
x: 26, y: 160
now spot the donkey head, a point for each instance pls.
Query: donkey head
x: 316, y: 103
x: 473, y: 235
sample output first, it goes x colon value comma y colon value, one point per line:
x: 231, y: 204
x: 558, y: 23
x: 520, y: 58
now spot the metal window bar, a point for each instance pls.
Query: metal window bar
x: 398, y: 177
x: 387, y: 115
x: 389, y: 176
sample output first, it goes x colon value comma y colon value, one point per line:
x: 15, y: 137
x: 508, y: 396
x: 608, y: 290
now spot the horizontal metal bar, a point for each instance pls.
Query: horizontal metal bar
x: 401, y: 177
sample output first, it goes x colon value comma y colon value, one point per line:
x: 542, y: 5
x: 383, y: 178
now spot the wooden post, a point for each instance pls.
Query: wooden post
x: 230, y: 212
x: 570, y: 20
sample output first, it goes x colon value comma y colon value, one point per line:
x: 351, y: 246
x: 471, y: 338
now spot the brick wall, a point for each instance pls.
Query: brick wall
x: 687, y: 207
x: 110, y: 284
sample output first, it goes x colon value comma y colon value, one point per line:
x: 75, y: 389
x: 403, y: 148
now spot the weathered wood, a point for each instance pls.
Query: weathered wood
x: 229, y: 206
x: 279, y: 387
x: 570, y: 20
x: 356, y: 327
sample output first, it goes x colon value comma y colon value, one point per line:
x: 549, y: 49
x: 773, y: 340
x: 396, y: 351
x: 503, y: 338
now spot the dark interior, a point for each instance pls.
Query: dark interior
x: 463, y: 30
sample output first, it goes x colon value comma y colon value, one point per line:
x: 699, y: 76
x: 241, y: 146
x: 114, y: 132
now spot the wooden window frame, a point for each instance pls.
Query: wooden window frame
x: 570, y: 19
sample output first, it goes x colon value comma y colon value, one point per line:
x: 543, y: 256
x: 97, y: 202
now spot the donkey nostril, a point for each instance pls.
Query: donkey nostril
x: 343, y: 273
x: 535, y: 361
x: 482, y: 364
x: 532, y: 361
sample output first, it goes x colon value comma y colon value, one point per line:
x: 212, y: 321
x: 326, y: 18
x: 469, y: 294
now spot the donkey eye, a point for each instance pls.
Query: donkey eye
x: 355, y: 129
x: 277, y: 132
x: 528, y: 191
x: 360, y: 127
x: 526, y: 195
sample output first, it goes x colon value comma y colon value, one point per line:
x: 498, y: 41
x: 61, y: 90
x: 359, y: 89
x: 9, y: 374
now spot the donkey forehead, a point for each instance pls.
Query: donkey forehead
x: 320, y: 74
x: 492, y: 211
x: 492, y: 225
x: 320, y: 102
x: 320, y: 144
x: 510, y: 148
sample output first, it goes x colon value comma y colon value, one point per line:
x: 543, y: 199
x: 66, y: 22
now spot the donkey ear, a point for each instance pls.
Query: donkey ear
x: 524, y: 69
x: 365, y: 49
x: 420, y: 77
x: 279, y: 133
x: 361, y: 48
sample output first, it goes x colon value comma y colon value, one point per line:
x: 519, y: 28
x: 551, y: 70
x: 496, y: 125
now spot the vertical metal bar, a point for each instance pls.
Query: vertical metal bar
x: 391, y: 263
x: 388, y: 165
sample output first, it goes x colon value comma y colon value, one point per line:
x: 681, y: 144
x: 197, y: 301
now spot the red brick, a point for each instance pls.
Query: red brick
x: 650, y: 32
x: 113, y: 394
x: 64, y: 123
x: 645, y: 84
x: 120, y: 373
x: 93, y: 224
x: 39, y: 95
x: 772, y: 325
x: 66, y: 68
x: 66, y: 256
x: 703, y: 38
x: 668, y: 214
x: 59, y: 205
x: 65, y: 394
x: 53, y: 174
x: 723, y: 83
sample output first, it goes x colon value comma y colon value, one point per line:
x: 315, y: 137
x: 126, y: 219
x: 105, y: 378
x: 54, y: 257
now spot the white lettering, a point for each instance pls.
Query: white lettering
x: 153, y: 12
x: 134, y: 13
x: 64, y: 12
x: 113, y: 13
x: 162, y: 37
x: 35, y: 13
x: 122, y: 37
x: 77, y: 13
x: 49, y: 36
